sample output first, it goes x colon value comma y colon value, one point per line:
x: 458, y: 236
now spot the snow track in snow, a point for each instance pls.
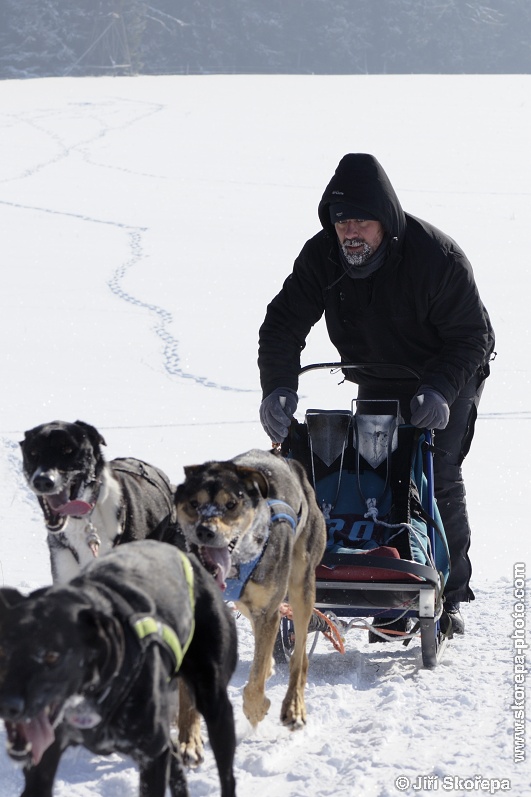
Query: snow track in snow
x: 103, y: 119
x: 163, y: 318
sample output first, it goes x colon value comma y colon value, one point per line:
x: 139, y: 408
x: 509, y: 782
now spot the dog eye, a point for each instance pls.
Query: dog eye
x: 47, y: 657
x: 50, y: 658
x: 231, y: 505
x: 67, y: 450
x: 194, y: 504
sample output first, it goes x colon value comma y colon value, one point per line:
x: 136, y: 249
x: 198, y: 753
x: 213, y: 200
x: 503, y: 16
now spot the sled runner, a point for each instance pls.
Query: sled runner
x: 386, y: 557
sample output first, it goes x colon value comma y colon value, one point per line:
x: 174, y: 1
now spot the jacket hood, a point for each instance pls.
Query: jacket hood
x: 361, y: 181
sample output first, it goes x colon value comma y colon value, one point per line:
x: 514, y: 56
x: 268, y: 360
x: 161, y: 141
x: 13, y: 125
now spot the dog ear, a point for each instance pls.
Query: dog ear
x: 104, y: 634
x: 93, y: 435
x: 10, y: 597
x: 189, y: 472
x: 192, y: 470
x: 27, y: 435
x: 254, y: 478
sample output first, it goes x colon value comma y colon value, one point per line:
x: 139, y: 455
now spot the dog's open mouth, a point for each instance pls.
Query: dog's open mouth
x: 217, y: 561
x: 57, y: 507
x: 28, y: 740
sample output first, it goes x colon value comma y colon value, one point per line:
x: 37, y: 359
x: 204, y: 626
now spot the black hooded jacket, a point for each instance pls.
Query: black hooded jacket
x: 420, y: 309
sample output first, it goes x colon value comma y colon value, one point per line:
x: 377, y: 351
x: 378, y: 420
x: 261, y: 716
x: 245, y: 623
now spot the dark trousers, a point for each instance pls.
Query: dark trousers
x: 451, y: 446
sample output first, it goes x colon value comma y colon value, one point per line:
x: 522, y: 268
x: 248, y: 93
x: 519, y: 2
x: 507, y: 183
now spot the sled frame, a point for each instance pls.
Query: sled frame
x: 407, y: 596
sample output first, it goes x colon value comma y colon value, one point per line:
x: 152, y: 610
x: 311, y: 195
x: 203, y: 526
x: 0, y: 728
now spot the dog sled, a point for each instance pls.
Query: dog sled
x: 386, y: 560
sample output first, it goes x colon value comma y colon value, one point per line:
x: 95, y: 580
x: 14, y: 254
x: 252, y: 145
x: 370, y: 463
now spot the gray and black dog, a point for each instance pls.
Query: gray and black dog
x: 90, y: 505
x: 258, y: 514
x: 96, y: 662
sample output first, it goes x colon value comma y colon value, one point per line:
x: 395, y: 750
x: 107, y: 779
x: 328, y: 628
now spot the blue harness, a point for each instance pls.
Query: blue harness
x: 280, y: 512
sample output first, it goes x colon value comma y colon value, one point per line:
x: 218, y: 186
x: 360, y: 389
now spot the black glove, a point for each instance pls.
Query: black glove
x: 429, y: 409
x: 276, y: 412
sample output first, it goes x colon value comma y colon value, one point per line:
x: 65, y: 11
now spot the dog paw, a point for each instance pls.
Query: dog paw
x: 293, y: 716
x: 255, y: 707
x: 293, y: 723
x: 192, y: 753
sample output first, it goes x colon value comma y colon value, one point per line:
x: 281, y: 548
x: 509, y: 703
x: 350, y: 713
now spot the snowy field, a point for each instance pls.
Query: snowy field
x: 146, y: 222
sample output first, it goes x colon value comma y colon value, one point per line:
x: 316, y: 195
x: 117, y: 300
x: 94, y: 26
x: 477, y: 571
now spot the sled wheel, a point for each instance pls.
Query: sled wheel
x: 429, y: 641
x: 285, y: 641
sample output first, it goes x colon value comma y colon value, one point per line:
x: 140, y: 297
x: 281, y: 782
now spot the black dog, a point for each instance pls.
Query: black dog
x: 90, y: 505
x: 94, y: 663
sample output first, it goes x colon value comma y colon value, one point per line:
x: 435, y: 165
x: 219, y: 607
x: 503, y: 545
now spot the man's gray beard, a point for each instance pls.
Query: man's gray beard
x: 357, y: 258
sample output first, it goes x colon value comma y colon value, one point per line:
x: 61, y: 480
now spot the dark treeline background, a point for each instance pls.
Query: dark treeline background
x: 95, y: 37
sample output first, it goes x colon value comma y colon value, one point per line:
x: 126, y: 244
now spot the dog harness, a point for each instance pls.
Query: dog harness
x: 85, y: 711
x: 281, y: 512
x: 149, y: 629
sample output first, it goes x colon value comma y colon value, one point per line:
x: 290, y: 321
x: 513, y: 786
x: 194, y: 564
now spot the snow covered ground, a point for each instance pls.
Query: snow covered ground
x: 146, y: 222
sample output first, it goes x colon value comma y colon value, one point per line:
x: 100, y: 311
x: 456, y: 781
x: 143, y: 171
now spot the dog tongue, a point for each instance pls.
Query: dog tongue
x: 39, y: 733
x: 221, y: 558
x: 61, y: 505
x: 75, y: 508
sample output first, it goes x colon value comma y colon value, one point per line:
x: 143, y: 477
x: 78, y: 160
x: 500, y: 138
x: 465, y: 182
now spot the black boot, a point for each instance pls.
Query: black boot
x: 454, y: 615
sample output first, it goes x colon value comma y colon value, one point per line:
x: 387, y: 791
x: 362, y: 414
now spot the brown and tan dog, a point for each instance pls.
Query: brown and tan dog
x: 255, y: 525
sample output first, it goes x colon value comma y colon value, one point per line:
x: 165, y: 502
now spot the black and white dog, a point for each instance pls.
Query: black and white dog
x: 91, y: 505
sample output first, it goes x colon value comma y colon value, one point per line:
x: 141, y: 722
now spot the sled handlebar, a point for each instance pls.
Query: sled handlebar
x: 334, y: 366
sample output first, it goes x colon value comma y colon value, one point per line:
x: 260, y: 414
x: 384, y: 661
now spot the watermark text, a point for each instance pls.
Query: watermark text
x: 425, y: 783
x: 519, y: 637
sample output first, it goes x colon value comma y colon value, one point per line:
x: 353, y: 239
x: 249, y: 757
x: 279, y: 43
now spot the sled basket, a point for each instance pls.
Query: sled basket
x: 386, y: 553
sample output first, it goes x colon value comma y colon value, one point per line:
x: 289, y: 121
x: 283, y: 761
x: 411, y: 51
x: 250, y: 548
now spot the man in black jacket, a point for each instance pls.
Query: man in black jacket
x: 393, y: 290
